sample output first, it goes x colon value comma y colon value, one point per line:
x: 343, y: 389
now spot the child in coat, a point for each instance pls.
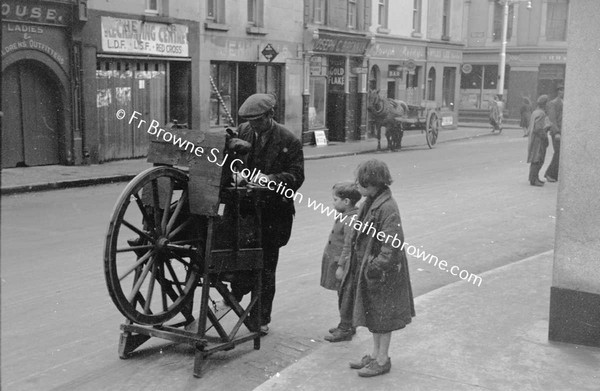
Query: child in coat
x: 384, y: 300
x: 335, y: 264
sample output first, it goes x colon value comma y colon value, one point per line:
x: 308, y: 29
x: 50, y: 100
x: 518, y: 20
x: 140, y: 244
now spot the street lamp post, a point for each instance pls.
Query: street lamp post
x: 502, y: 66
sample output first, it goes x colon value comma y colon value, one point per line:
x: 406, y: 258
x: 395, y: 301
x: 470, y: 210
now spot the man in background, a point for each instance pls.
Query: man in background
x: 555, y: 110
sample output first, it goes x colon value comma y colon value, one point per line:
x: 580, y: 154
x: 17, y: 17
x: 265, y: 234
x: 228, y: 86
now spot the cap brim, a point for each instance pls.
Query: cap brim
x: 253, y: 117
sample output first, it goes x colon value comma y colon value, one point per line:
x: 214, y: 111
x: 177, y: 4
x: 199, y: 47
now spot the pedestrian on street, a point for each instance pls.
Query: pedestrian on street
x: 539, y: 125
x: 336, y: 271
x: 555, y: 110
x: 496, y: 113
x: 526, y: 110
x: 384, y: 300
x: 277, y: 153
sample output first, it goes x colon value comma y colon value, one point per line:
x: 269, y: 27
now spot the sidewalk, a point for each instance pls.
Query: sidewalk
x: 27, y: 179
x: 493, y: 337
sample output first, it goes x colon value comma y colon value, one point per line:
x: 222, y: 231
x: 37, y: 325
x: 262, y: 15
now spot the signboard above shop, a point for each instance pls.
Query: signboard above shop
x: 130, y: 36
x: 340, y: 44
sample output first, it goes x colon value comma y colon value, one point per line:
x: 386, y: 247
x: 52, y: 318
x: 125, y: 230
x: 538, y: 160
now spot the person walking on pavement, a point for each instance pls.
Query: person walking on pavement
x: 384, y: 300
x: 496, y: 113
x: 336, y: 270
x: 539, y: 125
x: 278, y: 156
x: 555, y: 110
x: 525, y: 110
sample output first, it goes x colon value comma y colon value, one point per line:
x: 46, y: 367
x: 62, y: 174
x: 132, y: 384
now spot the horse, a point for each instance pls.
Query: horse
x: 383, y: 112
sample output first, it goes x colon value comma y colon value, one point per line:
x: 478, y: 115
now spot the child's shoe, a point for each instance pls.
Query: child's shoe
x: 375, y: 369
x: 362, y: 363
x: 340, y: 335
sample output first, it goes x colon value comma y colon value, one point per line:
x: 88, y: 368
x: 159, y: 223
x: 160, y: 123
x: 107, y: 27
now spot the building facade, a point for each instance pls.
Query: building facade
x: 336, y: 39
x: 142, y: 56
x: 40, y: 83
x: 247, y: 47
x: 417, y: 55
x: 536, y: 52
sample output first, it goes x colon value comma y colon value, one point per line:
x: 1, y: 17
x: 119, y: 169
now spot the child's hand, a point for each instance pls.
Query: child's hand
x: 339, y: 272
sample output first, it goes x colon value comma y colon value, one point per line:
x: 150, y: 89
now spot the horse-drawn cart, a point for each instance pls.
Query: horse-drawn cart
x: 397, y: 116
x: 175, y: 229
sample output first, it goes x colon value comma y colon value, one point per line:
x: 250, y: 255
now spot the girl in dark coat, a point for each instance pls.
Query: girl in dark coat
x: 526, y: 110
x: 383, y: 301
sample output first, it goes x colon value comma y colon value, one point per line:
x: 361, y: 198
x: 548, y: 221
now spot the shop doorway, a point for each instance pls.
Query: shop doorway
x: 33, y: 115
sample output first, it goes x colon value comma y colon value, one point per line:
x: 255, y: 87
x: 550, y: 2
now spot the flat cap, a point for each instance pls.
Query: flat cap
x: 256, y: 105
x: 542, y: 100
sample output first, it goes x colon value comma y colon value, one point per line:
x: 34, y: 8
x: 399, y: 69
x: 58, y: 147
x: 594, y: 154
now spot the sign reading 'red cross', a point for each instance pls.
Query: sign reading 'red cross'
x: 139, y: 37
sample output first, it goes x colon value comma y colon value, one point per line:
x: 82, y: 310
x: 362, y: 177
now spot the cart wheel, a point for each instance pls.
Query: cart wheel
x: 432, y: 130
x: 154, y: 247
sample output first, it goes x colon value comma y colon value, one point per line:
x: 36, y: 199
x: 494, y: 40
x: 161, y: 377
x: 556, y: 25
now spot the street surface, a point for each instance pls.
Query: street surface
x: 466, y: 202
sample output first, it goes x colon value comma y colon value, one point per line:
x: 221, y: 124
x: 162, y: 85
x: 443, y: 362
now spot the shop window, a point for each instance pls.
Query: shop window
x: 498, y: 16
x: 382, y: 13
x: 431, y: 84
x: 215, y: 10
x: 255, y: 11
x: 374, y: 78
x: 416, y: 22
x: 448, y: 87
x: 317, y: 102
x: 352, y: 14
x: 446, y: 20
x: 319, y: 11
x: 556, y: 20
x: 222, y: 92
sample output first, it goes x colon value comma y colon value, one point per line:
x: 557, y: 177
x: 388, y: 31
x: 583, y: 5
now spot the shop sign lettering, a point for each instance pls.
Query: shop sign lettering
x: 336, y: 75
x: 23, y: 12
x: 332, y: 44
x: 35, y: 45
x: 138, y: 37
x: 24, y: 28
x: 383, y: 50
x: 444, y: 54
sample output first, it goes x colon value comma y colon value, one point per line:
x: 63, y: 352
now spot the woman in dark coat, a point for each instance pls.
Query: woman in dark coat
x: 383, y: 301
x: 538, y: 140
x: 525, y: 116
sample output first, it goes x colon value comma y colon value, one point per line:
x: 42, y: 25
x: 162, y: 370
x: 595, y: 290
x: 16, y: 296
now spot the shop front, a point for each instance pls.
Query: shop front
x: 238, y: 67
x: 134, y: 65
x: 37, y: 75
x: 442, y: 81
x: 397, y: 69
x: 527, y: 74
x: 335, y: 86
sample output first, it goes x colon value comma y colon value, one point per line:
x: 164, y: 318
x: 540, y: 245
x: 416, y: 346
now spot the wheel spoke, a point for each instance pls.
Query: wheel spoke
x: 156, y: 204
x: 166, y: 207
x: 135, y: 248
x: 140, y: 204
x: 138, y: 283
x: 138, y: 231
x: 150, y: 289
x: 180, y: 228
x: 161, y: 272
x: 175, y: 279
x: 180, y: 259
x: 136, y: 264
x: 182, y: 200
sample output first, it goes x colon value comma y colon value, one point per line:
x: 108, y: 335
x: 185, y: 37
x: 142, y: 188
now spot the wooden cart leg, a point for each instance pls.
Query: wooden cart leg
x: 198, y: 362
x: 128, y: 342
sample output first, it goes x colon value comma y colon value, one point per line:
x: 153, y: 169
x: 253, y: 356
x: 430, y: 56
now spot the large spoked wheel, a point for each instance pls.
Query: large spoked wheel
x: 153, y: 248
x: 432, y: 129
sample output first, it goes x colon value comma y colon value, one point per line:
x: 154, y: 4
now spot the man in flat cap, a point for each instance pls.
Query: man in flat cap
x: 538, y: 140
x: 277, y: 153
x: 555, y: 110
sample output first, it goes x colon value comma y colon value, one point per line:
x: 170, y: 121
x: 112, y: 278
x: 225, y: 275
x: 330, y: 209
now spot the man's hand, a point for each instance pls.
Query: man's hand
x: 258, y: 180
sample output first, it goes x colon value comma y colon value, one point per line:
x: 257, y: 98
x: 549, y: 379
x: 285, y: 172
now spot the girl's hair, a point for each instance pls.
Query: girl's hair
x: 347, y: 190
x: 373, y: 172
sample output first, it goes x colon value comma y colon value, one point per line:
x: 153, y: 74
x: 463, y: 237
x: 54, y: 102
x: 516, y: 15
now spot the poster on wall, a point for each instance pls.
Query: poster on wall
x: 139, y: 37
x: 336, y: 74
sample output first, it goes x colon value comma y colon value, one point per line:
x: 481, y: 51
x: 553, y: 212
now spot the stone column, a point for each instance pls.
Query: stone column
x: 575, y: 292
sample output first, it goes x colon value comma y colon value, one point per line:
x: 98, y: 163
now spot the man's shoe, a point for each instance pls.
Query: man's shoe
x: 550, y: 179
x: 264, y: 329
x: 362, y: 363
x: 334, y: 329
x: 339, y: 336
x: 537, y: 183
x: 375, y: 369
